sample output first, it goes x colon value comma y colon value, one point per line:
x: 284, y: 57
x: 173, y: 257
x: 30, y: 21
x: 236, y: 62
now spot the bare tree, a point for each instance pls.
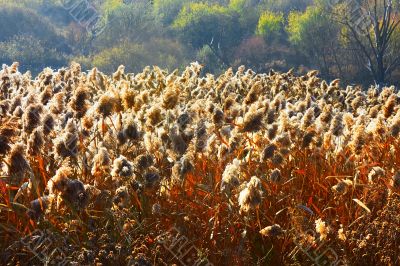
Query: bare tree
x: 371, y: 25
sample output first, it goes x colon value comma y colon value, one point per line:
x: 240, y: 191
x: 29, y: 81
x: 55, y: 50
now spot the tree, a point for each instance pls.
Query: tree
x: 167, y: 10
x: 249, y: 13
x: 286, y: 6
x: 270, y: 25
x: 314, y: 34
x: 213, y: 25
x: 131, y: 22
x: 373, y: 29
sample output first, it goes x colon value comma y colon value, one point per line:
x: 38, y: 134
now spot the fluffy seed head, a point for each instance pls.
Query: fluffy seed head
x: 31, y: 117
x: 375, y: 173
x: 272, y: 231
x: 250, y: 197
x: 122, y: 167
x: 171, y: 97
x: 275, y: 176
x: 101, y: 160
x: 79, y: 101
x: 48, y: 123
x: 342, y: 186
x: 106, y: 104
x: 35, y: 141
x: 337, y: 125
x: 121, y: 198
x: 143, y: 161
x: 396, y: 180
x: 252, y: 121
x: 268, y: 152
x: 38, y: 207
x: 17, y: 162
x: 322, y: 229
x: 230, y: 176
x: 389, y: 106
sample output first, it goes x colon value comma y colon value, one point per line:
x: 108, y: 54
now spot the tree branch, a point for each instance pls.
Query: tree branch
x: 363, y: 48
x: 395, y: 63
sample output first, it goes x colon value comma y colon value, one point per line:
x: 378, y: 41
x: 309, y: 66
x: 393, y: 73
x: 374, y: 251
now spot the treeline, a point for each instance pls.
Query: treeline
x: 262, y: 35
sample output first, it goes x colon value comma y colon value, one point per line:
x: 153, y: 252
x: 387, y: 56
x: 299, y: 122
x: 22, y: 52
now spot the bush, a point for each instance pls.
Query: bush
x: 135, y: 56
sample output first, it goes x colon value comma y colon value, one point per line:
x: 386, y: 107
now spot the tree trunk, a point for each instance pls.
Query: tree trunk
x: 380, y: 80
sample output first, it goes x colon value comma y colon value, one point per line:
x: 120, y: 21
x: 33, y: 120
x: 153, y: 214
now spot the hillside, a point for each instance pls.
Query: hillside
x: 338, y: 38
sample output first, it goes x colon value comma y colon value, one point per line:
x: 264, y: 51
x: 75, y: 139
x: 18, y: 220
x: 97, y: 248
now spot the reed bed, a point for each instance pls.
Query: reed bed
x: 253, y: 169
